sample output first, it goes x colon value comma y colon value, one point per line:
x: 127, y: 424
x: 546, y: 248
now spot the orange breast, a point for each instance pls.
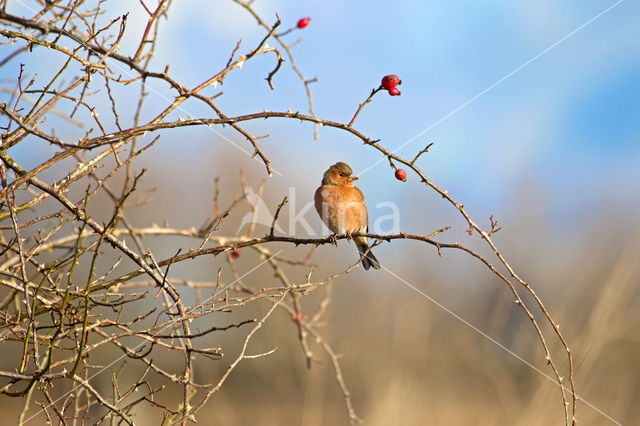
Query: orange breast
x: 342, y: 209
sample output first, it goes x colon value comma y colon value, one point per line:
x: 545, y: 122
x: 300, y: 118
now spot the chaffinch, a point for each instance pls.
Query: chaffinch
x: 342, y: 208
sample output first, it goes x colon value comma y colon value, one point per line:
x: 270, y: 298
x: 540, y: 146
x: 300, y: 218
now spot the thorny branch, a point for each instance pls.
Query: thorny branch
x: 60, y: 316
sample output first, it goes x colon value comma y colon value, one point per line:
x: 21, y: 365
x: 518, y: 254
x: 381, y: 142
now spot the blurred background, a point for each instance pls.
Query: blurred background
x: 552, y: 151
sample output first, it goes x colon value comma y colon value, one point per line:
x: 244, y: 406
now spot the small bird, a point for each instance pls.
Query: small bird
x: 342, y: 208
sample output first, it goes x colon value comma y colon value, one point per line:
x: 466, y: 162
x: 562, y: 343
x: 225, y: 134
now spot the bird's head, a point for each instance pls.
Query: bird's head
x: 340, y: 174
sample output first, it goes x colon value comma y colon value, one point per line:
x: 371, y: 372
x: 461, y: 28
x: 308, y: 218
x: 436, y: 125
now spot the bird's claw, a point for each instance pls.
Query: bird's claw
x: 333, y: 239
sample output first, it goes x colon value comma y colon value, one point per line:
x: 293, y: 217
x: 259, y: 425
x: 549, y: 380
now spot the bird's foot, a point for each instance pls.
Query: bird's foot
x: 348, y: 234
x: 333, y: 239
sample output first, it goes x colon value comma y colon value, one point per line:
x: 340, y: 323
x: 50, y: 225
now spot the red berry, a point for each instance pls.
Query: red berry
x: 389, y: 81
x: 394, y: 91
x: 302, y: 23
x: 401, y: 175
x: 297, y: 316
x: 235, y: 254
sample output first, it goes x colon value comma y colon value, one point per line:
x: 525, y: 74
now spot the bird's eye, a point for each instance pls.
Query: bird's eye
x: 343, y: 174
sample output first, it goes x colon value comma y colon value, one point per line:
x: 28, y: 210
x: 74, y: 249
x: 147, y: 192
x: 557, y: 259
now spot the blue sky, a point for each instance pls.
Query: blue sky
x: 566, y: 124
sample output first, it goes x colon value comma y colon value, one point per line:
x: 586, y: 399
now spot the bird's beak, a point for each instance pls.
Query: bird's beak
x: 354, y: 178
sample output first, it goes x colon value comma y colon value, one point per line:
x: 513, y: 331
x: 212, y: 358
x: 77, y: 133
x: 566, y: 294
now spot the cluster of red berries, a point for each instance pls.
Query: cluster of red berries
x: 389, y: 83
x: 303, y: 22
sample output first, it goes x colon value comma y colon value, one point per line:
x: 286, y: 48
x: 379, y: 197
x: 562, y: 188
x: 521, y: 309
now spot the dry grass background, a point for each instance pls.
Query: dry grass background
x: 406, y: 360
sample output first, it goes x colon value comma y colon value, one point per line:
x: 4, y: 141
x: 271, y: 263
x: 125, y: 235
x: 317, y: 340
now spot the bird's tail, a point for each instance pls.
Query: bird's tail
x: 368, y: 259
